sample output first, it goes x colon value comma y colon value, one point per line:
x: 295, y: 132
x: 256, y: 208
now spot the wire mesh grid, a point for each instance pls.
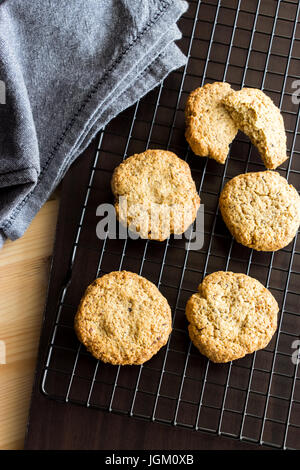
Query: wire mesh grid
x: 257, y: 398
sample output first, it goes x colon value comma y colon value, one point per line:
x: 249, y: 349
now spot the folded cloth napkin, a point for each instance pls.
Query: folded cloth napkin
x: 68, y: 67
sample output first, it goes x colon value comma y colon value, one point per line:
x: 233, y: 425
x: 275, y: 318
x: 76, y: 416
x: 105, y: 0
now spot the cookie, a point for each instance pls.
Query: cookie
x: 261, y: 210
x: 209, y: 127
x: 230, y: 316
x: 155, y: 194
x: 258, y: 117
x: 123, y: 319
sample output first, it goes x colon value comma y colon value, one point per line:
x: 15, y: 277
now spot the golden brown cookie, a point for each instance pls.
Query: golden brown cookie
x: 155, y: 194
x: 261, y: 210
x: 258, y: 117
x: 123, y: 319
x: 230, y: 316
x: 209, y: 127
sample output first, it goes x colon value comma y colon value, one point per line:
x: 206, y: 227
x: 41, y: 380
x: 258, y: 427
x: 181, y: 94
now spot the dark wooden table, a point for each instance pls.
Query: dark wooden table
x: 54, y: 425
x: 251, y: 45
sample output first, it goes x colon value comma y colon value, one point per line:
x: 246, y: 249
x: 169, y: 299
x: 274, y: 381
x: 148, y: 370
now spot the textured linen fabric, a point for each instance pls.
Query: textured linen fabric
x: 69, y: 67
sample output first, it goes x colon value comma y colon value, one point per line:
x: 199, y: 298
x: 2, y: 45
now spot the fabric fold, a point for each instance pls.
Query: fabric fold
x: 69, y: 68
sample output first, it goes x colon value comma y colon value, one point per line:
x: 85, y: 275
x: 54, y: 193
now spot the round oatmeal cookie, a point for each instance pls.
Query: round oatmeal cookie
x: 230, y: 316
x: 261, y: 210
x: 123, y: 319
x: 155, y: 194
x: 209, y: 127
x: 258, y: 117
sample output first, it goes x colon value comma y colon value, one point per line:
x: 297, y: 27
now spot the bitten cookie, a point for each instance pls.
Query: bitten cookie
x: 123, y: 319
x: 230, y: 316
x: 155, y: 194
x: 261, y: 210
x: 209, y: 127
x: 258, y: 117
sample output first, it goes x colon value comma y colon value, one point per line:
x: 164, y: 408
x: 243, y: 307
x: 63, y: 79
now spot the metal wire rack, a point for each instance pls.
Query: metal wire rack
x: 257, y: 398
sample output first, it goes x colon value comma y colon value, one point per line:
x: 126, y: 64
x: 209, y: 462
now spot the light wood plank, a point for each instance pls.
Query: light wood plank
x: 24, y: 273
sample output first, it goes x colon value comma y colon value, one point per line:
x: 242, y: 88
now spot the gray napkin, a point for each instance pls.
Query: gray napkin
x: 68, y: 68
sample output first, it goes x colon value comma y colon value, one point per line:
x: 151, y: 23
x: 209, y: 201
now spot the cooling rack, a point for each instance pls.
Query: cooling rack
x: 257, y: 398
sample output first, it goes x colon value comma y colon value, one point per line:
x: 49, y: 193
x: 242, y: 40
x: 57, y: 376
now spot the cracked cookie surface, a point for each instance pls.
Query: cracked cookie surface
x: 123, y: 318
x: 155, y: 194
x: 261, y: 210
x: 258, y: 117
x: 209, y: 127
x: 230, y: 316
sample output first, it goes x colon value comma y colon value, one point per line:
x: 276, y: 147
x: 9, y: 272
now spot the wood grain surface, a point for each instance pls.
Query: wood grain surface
x: 24, y: 272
